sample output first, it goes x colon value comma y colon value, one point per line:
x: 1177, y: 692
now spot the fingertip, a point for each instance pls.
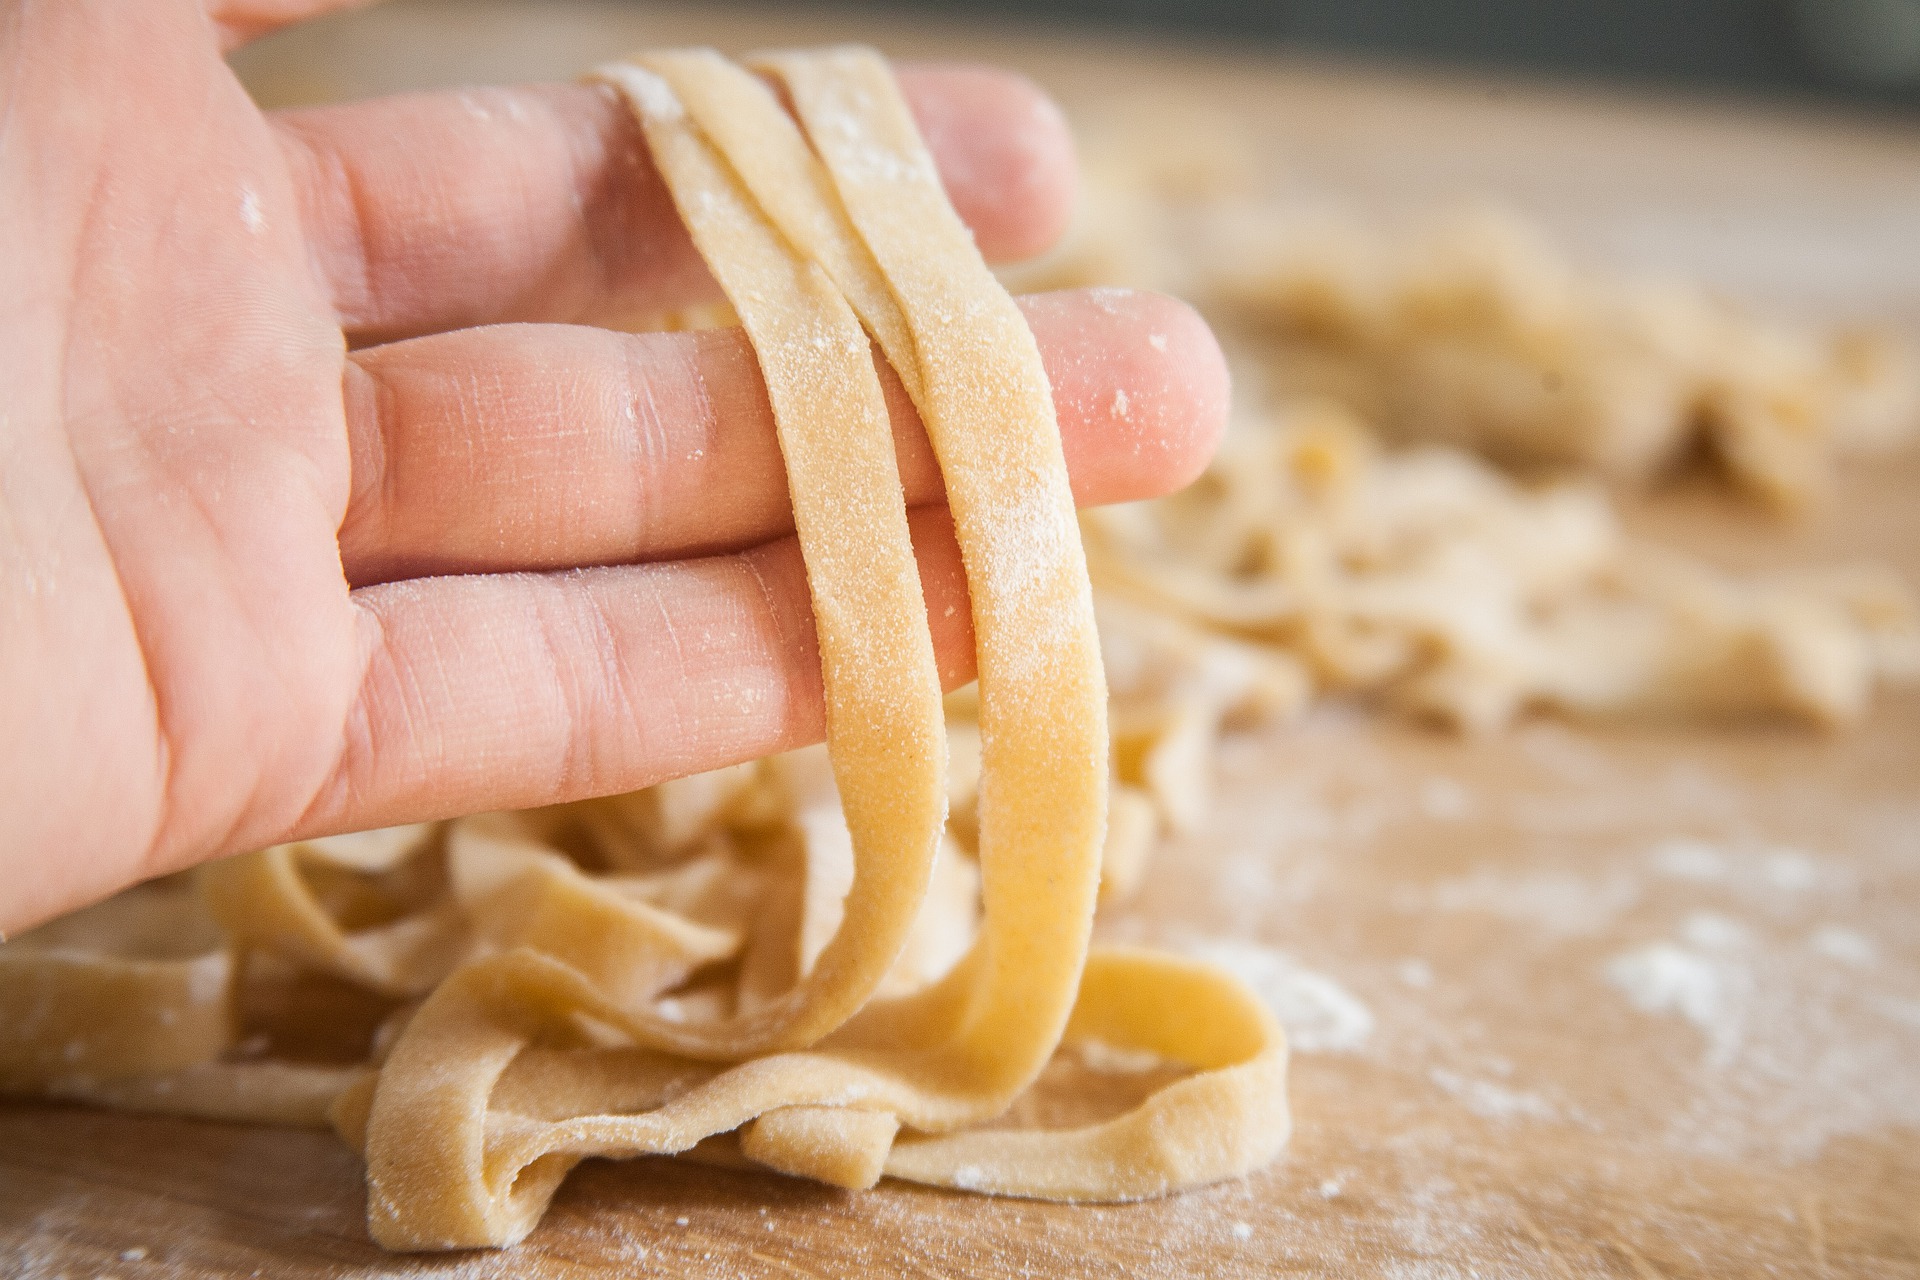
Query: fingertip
x: 1004, y: 151
x: 1140, y: 387
x: 1184, y: 360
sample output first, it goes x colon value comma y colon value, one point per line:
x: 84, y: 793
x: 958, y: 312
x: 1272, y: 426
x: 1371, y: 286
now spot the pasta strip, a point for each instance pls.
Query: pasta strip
x: 989, y: 414
x: 882, y: 690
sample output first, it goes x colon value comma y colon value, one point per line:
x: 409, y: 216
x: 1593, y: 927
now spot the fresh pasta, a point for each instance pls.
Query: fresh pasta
x: 1430, y: 582
x: 1476, y: 334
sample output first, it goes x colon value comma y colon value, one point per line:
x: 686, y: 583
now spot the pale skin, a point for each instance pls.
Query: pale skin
x: 327, y: 503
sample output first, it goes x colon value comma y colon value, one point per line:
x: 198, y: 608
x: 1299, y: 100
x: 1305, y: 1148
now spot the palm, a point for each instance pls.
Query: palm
x: 256, y: 586
x: 178, y: 460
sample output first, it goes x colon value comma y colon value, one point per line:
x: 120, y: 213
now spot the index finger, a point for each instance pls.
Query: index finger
x: 429, y: 212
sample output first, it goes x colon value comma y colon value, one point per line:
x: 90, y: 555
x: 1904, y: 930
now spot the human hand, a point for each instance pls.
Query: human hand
x: 261, y: 578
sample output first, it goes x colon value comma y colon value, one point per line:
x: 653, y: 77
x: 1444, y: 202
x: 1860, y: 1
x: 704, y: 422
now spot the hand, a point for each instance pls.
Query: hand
x: 261, y: 578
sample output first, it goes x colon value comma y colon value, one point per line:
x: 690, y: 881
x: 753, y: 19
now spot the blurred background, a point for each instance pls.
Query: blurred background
x: 1859, y: 49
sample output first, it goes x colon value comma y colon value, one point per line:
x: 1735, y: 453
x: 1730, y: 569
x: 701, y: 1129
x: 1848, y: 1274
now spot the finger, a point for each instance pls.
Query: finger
x: 431, y: 212
x: 240, y: 21
x: 517, y: 690
x: 537, y: 447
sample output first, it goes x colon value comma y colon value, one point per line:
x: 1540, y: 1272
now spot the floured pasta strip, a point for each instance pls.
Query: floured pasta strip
x: 812, y: 959
x: 1439, y: 585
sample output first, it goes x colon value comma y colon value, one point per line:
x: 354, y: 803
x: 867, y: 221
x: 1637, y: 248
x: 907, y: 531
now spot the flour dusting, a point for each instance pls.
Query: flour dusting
x: 1493, y: 1101
x: 1319, y: 1014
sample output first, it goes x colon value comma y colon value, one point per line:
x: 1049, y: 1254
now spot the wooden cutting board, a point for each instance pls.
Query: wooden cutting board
x: 1566, y: 1001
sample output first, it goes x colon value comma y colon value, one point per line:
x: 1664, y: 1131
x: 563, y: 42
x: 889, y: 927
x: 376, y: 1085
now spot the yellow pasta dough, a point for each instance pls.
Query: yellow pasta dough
x: 811, y: 959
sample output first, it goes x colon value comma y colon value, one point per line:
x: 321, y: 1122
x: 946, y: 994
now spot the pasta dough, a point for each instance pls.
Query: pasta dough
x: 811, y: 959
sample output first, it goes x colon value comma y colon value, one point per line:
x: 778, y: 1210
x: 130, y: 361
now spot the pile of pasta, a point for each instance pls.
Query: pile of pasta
x: 838, y: 968
x: 1431, y: 578
x: 1307, y: 558
x: 1473, y: 331
x: 1476, y: 334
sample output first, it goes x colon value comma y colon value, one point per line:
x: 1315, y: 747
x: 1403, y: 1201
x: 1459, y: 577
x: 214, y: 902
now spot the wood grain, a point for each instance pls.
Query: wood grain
x: 1509, y: 1110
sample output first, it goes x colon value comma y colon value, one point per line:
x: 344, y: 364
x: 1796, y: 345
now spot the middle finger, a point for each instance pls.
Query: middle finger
x: 526, y: 447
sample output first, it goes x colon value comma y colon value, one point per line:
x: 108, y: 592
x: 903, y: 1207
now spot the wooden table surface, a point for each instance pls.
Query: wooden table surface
x: 1566, y: 1001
